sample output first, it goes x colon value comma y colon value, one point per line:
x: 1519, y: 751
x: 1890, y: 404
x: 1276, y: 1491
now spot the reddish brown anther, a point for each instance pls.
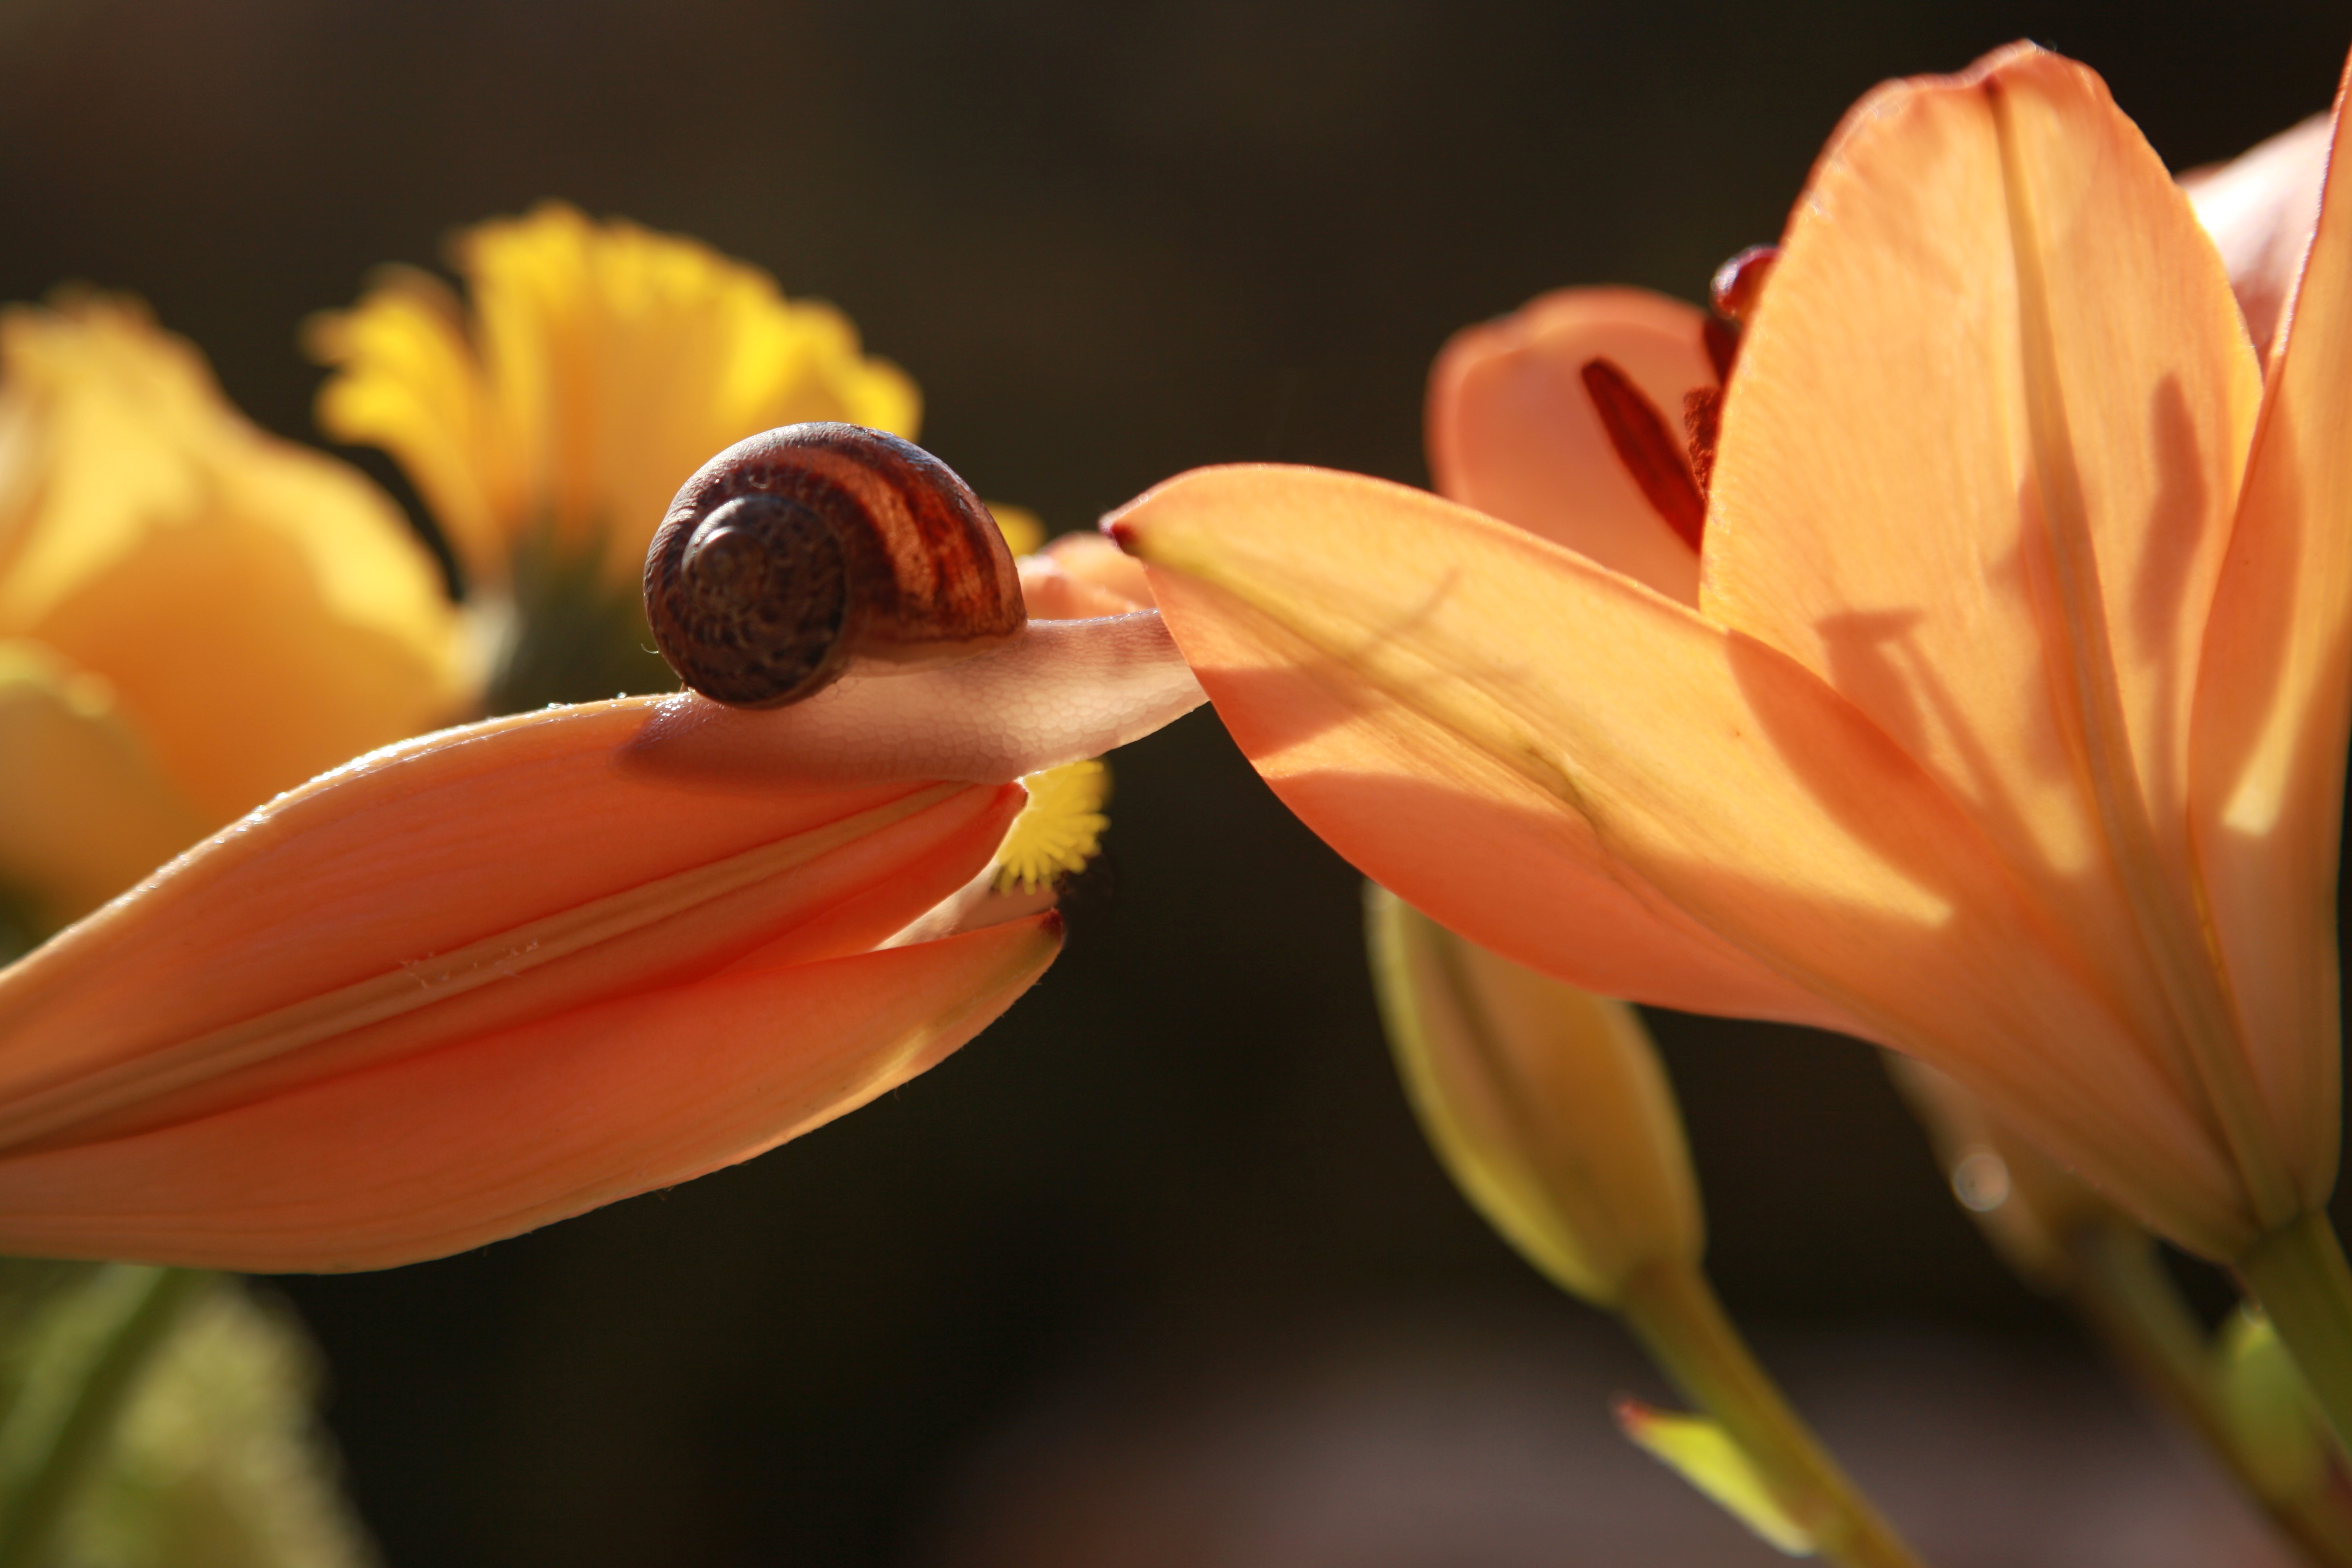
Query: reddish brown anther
x: 1720, y: 339
x: 1702, y: 423
x: 1739, y: 282
x: 1647, y: 447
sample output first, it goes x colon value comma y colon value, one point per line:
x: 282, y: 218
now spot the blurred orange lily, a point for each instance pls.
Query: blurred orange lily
x: 2001, y: 717
x: 488, y: 978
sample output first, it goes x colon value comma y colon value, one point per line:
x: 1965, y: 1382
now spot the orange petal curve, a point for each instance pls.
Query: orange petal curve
x: 430, y: 1154
x: 1513, y: 432
x: 2275, y: 705
x: 445, y: 888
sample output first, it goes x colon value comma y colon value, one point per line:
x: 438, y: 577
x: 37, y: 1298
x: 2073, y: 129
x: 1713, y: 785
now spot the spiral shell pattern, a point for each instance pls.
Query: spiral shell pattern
x: 795, y: 552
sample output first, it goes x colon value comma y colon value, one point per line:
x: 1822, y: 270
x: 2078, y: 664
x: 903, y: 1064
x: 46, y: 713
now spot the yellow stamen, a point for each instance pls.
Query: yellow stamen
x: 1059, y: 830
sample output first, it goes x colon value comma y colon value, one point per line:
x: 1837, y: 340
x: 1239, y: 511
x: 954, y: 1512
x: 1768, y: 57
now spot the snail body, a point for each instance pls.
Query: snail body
x: 794, y: 553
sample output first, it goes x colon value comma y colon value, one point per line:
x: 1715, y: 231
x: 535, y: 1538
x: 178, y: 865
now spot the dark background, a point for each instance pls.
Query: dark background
x: 1111, y: 241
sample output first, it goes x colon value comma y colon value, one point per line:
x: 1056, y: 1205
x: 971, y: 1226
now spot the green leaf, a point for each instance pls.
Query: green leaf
x: 1705, y: 1455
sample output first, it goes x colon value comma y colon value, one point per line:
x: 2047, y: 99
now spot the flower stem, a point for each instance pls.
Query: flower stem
x: 2298, y: 1276
x: 1677, y: 1315
x: 74, y: 1430
x: 2119, y: 1287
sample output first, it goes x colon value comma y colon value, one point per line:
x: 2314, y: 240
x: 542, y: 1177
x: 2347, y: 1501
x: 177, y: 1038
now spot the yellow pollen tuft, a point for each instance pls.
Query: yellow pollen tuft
x: 1059, y: 830
x: 1024, y: 531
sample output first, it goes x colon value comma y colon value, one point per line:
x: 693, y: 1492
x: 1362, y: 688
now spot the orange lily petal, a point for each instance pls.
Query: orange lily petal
x: 1876, y: 511
x: 1594, y: 782
x: 424, y: 924
x: 1082, y: 574
x: 1052, y: 595
x: 429, y: 1154
x: 1269, y: 594
x: 437, y: 889
x: 1513, y: 432
x: 1094, y: 559
x: 1976, y: 470
x: 2274, y: 706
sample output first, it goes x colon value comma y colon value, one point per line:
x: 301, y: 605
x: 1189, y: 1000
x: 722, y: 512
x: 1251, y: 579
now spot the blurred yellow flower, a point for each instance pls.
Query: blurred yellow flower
x: 599, y: 366
x: 194, y: 615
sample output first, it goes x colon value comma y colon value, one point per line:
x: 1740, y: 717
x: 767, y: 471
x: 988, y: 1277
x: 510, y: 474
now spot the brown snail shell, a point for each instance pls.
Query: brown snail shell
x: 792, y: 552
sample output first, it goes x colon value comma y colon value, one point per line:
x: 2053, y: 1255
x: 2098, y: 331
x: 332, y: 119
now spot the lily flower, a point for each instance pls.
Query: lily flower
x: 194, y: 615
x: 1998, y: 714
x: 488, y: 978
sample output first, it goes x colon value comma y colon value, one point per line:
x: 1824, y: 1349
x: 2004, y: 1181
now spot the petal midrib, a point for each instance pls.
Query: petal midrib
x: 424, y: 982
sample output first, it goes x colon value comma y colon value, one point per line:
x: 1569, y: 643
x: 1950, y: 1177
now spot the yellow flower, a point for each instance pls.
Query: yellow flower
x: 598, y: 365
x: 2004, y: 723
x: 194, y: 615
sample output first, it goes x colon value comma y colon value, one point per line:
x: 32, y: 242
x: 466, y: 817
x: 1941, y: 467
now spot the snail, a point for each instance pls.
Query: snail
x: 792, y: 554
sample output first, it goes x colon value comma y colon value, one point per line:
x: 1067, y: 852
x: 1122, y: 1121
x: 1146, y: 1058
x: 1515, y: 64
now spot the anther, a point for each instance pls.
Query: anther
x: 1647, y: 447
x: 1702, y: 424
x: 1737, y: 285
x: 1720, y: 339
x: 1739, y: 282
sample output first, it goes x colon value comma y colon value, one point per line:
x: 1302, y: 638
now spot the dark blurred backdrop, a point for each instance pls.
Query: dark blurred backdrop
x: 1111, y: 241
